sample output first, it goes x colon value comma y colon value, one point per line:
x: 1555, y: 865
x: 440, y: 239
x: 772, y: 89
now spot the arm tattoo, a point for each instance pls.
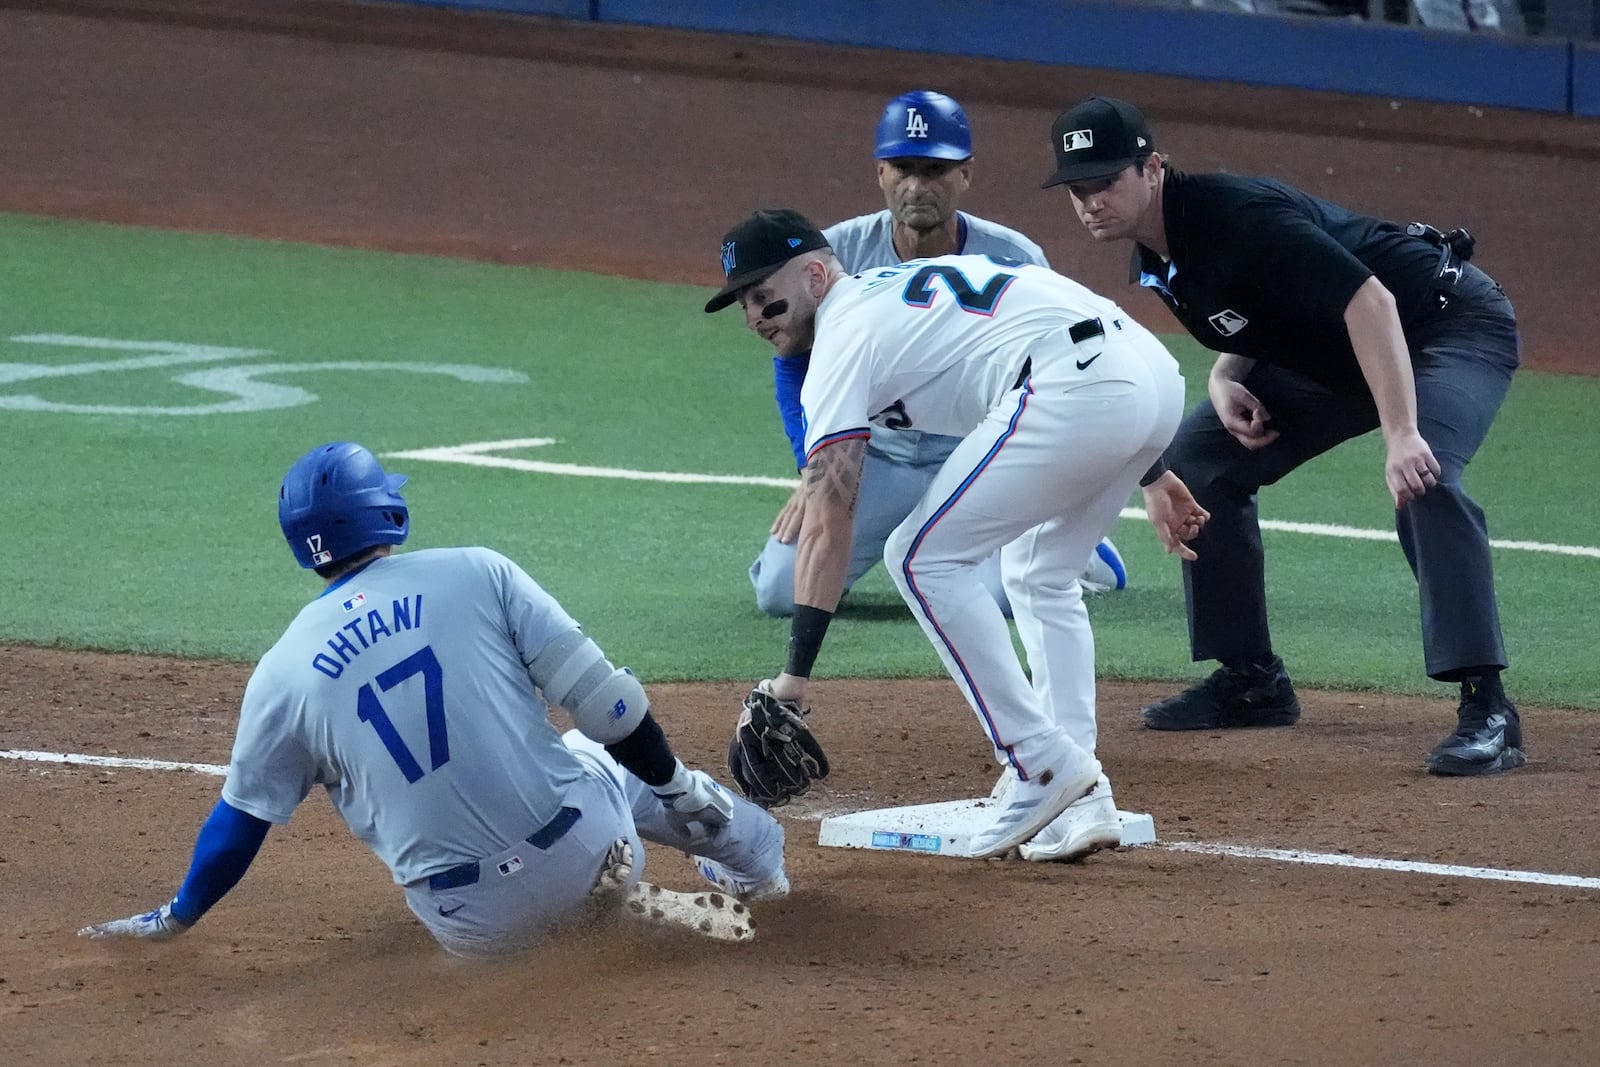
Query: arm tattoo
x: 834, y: 473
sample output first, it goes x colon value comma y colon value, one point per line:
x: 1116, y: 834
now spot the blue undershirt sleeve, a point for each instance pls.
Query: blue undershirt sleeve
x: 223, y: 851
x: 790, y: 374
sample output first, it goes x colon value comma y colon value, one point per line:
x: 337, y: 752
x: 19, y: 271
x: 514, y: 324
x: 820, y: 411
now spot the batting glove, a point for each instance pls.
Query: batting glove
x: 158, y: 925
x: 694, y: 797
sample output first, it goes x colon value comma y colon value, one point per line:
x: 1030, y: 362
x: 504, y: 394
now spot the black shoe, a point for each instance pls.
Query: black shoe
x: 1487, y: 741
x: 1230, y: 698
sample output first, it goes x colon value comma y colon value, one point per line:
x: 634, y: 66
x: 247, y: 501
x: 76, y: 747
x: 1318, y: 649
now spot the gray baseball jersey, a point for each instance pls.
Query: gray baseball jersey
x: 868, y: 241
x: 403, y: 690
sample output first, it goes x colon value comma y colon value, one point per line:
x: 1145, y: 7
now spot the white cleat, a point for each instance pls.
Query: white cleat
x: 714, y: 915
x: 770, y: 888
x: 1025, y: 808
x: 1089, y: 824
x: 1105, y: 571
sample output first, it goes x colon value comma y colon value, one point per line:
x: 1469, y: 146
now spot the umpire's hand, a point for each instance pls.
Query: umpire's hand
x: 1241, y: 413
x: 1174, y: 513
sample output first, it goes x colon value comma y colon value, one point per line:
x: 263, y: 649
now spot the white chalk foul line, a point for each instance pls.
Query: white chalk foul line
x: 82, y: 760
x: 1280, y: 855
x: 480, y: 454
x: 1373, y: 863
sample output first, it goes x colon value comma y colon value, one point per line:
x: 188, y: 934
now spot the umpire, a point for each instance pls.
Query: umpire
x: 1329, y: 324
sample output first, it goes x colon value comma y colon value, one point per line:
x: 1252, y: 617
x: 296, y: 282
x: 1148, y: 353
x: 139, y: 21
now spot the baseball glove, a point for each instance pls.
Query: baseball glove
x: 773, y: 755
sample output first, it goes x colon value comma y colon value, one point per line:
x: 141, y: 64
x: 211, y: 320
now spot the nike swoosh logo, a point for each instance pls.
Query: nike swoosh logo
x: 1083, y: 364
x: 447, y: 912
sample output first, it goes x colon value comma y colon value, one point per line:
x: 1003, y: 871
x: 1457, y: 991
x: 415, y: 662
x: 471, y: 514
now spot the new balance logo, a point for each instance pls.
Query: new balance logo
x: 1076, y: 139
x: 1228, y: 322
x: 916, y: 125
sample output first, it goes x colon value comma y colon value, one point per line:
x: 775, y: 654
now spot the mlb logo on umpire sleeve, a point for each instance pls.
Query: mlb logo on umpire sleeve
x: 1073, y: 140
x: 1228, y: 322
x: 510, y: 866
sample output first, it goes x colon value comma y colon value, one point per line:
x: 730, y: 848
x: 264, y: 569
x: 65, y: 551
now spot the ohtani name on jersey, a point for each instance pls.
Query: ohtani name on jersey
x: 360, y: 634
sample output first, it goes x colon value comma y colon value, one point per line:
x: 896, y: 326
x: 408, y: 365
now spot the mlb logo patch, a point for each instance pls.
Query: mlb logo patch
x: 1073, y: 140
x: 1228, y: 322
x: 510, y: 866
x: 355, y: 602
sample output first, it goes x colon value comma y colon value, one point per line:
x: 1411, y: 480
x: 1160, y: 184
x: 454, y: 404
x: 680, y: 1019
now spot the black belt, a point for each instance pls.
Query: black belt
x: 467, y: 873
x: 1079, y: 332
x: 1082, y: 331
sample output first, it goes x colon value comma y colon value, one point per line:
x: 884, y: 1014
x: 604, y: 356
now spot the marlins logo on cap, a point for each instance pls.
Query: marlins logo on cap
x: 759, y: 246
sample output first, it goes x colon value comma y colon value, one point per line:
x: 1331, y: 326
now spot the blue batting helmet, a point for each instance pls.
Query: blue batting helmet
x: 336, y: 500
x: 926, y: 124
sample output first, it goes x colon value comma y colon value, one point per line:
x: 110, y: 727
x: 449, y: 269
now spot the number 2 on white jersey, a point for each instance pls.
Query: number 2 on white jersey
x: 919, y: 291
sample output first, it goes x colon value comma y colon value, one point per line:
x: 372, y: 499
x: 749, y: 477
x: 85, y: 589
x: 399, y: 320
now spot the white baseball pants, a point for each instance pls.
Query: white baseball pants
x: 1043, y: 479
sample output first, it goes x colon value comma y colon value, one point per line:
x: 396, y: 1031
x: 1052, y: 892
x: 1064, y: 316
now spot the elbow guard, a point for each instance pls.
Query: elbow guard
x: 606, y: 703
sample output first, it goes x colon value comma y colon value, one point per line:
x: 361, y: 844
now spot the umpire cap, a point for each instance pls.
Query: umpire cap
x: 926, y: 124
x: 758, y: 246
x: 336, y: 500
x: 1098, y: 138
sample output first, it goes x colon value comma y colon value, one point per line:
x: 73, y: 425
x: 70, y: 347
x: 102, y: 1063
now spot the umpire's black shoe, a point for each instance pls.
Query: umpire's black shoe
x: 1487, y: 741
x: 1230, y: 698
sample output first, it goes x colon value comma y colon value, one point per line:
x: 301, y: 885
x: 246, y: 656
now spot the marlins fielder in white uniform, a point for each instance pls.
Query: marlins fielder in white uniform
x: 924, y: 163
x: 411, y: 691
x: 1062, y: 401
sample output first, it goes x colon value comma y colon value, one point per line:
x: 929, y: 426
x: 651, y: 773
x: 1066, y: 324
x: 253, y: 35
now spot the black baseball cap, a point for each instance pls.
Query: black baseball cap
x: 758, y: 246
x: 1098, y: 138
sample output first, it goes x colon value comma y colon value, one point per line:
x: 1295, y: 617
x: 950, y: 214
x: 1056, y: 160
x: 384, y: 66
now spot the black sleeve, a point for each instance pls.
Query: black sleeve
x: 645, y: 753
x: 1290, y: 262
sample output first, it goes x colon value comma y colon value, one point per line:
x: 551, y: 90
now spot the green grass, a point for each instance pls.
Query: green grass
x: 159, y: 533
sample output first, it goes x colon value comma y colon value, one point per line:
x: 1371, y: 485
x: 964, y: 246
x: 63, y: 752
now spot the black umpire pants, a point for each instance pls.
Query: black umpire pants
x: 1462, y: 361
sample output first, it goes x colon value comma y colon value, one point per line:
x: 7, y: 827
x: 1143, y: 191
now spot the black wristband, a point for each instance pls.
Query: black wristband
x: 1157, y: 469
x: 806, y: 630
x: 645, y: 753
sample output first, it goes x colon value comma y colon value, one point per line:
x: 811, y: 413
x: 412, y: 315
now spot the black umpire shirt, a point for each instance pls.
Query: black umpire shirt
x: 1265, y: 271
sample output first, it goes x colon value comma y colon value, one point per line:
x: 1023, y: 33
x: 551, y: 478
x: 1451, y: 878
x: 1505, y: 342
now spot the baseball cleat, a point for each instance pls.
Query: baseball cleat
x: 1105, y: 571
x: 1228, y: 699
x: 770, y: 888
x: 615, y: 870
x: 1488, y: 740
x: 1089, y: 824
x: 714, y: 915
x: 1026, y: 807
